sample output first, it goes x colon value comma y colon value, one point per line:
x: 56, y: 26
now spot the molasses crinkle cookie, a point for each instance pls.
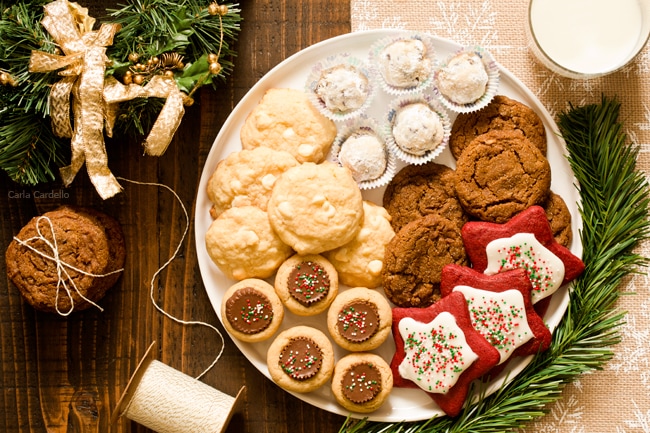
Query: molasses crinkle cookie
x: 85, y: 240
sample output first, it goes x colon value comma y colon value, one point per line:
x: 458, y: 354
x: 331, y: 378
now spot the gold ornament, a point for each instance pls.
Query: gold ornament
x: 134, y: 57
x: 217, y: 9
x: 215, y: 68
x: 138, y: 79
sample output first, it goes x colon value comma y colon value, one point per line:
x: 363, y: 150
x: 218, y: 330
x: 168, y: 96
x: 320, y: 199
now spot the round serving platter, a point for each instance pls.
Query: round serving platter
x: 402, y: 404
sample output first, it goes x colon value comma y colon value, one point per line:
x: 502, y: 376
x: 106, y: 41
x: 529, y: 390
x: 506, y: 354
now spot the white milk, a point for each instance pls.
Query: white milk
x: 588, y: 36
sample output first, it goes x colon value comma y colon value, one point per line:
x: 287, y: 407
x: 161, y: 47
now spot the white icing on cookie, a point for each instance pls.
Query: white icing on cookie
x: 437, y: 352
x: 500, y: 317
x: 545, y: 270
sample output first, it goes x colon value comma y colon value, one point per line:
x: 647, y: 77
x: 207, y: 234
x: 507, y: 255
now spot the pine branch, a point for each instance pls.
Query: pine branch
x: 614, y: 209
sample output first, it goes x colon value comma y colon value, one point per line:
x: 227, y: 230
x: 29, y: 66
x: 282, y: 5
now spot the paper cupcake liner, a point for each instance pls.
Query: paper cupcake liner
x: 492, y: 85
x: 364, y: 124
x: 433, y: 103
x: 375, y: 63
x: 347, y: 60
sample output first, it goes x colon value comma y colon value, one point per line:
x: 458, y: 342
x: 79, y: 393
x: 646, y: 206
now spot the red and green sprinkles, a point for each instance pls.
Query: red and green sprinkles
x: 435, y: 353
x: 308, y: 282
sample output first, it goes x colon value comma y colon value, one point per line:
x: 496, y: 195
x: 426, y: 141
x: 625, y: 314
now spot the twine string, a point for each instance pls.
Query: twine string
x: 63, y: 276
x: 167, y: 263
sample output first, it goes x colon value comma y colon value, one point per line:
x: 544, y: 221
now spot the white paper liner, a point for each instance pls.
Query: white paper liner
x: 367, y: 125
x: 492, y: 85
x: 375, y: 63
x: 344, y: 59
x: 433, y: 103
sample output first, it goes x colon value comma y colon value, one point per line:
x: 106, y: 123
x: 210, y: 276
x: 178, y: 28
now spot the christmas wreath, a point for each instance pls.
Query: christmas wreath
x: 66, y: 83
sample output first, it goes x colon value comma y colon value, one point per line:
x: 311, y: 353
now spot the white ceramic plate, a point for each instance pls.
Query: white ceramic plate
x: 403, y: 404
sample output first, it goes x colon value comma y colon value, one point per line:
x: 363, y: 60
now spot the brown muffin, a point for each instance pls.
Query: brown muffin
x: 502, y: 113
x: 415, y: 258
x: 86, y: 239
x: 500, y: 174
x: 420, y: 190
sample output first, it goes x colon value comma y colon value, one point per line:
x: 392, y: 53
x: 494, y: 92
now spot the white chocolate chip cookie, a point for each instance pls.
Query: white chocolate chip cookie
x: 286, y: 120
x: 243, y: 245
x: 246, y: 178
x: 316, y: 207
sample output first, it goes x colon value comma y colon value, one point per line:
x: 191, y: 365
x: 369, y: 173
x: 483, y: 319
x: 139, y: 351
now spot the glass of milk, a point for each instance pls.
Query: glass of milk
x: 587, y: 38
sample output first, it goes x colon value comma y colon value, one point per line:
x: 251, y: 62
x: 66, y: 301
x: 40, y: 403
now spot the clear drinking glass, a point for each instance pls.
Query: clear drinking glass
x: 587, y: 38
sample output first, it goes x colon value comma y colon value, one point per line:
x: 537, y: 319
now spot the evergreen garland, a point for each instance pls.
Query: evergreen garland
x: 614, y: 210
x: 194, y: 37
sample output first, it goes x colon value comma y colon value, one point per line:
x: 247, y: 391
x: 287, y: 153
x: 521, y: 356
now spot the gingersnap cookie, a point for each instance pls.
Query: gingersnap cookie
x: 500, y: 175
x: 316, y: 207
x: 300, y: 359
x: 251, y: 311
x: 246, y: 178
x: 559, y: 217
x: 243, y: 245
x: 420, y: 190
x: 306, y: 284
x: 359, y: 319
x: 360, y: 261
x: 502, y: 113
x: 79, y: 248
x: 415, y: 258
x: 286, y: 120
x: 362, y: 382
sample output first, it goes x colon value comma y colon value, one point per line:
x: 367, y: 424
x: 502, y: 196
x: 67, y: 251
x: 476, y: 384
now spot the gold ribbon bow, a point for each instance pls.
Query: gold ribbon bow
x: 84, y: 59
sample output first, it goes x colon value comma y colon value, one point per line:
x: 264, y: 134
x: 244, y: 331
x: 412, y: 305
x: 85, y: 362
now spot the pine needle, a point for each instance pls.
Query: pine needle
x: 614, y: 210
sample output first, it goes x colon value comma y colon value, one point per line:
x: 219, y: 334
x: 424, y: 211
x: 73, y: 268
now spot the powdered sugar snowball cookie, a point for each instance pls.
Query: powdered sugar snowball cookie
x: 362, y: 382
x: 251, y: 311
x: 286, y: 120
x: 306, y: 284
x: 340, y: 86
x: 361, y: 148
x: 404, y: 64
x: 316, y: 207
x: 418, y: 129
x: 360, y: 261
x: 246, y: 178
x: 359, y: 319
x: 468, y: 80
x: 243, y: 245
x: 300, y: 359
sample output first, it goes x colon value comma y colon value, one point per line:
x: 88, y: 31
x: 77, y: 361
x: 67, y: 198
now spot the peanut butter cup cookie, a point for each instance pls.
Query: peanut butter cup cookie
x: 502, y: 113
x: 306, y: 284
x: 500, y: 174
x: 300, y: 359
x: 251, y: 311
x: 415, y: 258
x: 362, y: 382
x: 420, y: 190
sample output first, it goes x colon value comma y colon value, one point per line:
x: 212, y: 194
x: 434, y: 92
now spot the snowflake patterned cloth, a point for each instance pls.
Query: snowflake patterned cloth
x: 617, y: 399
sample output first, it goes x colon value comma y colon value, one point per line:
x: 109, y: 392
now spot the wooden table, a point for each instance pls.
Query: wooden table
x: 67, y: 374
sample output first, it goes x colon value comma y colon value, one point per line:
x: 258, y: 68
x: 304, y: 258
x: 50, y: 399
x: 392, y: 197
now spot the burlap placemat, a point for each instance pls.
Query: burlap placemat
x: 615, y: 400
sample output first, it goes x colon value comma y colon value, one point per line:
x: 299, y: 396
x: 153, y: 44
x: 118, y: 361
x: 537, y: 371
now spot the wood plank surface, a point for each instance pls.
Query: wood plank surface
x: 63, y: 375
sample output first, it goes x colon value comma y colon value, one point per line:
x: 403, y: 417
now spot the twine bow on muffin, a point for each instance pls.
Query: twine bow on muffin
x: 65, y: 281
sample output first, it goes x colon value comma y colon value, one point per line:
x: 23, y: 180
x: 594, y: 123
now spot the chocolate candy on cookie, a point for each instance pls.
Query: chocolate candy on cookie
x: 362, y: 382
x: 439, y: 351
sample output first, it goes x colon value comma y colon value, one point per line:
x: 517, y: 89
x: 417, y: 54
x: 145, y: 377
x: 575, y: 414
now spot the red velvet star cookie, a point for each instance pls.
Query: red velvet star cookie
x: 524, y: 241
x: 439, y: 351
x: 504, y: 324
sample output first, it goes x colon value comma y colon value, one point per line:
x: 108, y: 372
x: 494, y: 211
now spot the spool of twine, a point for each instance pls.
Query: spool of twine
x: 166, y: 400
